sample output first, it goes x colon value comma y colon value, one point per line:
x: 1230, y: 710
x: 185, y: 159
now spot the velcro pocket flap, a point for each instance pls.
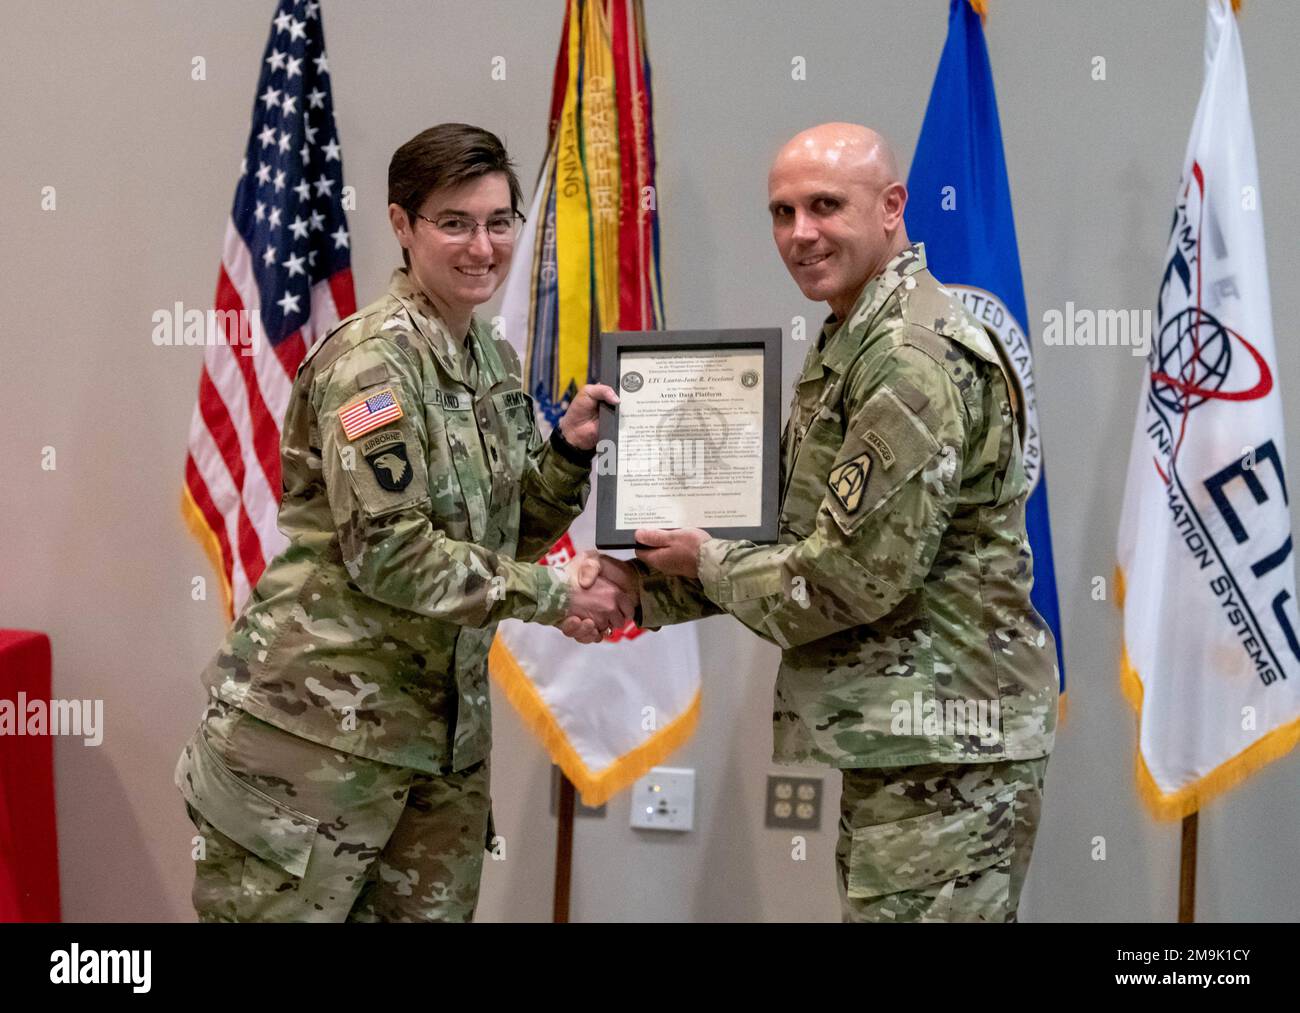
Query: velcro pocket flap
x: 920, y: 851
x: 885, y: 445
x: 253, y: 819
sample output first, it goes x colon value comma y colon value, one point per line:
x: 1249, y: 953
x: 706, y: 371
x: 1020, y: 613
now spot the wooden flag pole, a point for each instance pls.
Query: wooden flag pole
x: 563, y: 852
x: 1187, y: 871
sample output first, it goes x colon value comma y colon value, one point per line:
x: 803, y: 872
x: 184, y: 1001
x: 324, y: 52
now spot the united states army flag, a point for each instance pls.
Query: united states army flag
x: 1206, y: 576
x: 586, y: 262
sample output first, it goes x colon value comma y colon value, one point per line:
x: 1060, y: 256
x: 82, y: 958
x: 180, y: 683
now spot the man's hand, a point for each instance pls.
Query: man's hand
x: 587, y: 570
x: 580, y: 424
x: 675, y: 552
x: 591, y: 564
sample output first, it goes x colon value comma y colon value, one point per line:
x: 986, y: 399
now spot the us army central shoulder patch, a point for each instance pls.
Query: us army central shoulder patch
x: 391, y: 466
x: 849, y: 480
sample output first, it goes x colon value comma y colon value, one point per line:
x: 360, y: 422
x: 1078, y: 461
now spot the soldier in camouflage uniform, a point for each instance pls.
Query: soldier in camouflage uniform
x: 341, y: 769
x: 899, y: 589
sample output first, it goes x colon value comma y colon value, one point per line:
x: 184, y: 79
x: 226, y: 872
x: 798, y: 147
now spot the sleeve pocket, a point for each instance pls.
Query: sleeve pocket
x: 924, y: 851
x: 885, y: 445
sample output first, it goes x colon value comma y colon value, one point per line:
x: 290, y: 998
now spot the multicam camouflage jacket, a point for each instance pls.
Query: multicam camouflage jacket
x: 416, y: 486
x: 899, y: 589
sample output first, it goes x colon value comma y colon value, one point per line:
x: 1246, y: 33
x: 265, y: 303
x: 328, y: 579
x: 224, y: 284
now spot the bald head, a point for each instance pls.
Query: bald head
x: 854, y: 150
x: 837, y: 200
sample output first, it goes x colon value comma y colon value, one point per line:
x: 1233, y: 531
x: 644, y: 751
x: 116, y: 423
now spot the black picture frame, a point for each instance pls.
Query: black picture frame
x: 767, y: 339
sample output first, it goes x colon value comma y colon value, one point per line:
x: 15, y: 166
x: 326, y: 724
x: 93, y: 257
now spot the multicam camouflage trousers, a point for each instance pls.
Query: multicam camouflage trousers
x: 290, y: 830
x: 938, y: 842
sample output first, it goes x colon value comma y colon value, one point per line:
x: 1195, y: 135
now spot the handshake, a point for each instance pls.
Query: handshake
x: 605, y: 591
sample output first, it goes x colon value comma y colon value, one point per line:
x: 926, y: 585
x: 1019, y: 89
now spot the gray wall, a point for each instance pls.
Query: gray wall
x: 98, y: 102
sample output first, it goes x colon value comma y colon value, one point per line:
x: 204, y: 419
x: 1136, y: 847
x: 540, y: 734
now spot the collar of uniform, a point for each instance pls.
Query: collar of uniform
x: 812, y: 363
x: 429, y: 323
x: 843, y: 344
x: 490, y: 367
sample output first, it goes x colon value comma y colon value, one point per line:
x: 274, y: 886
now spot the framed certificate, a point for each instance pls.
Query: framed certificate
x: 695, y: 439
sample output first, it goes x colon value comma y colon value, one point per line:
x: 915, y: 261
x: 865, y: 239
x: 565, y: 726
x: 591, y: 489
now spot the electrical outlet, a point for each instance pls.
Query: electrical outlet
x: 664, y: 800
x: 793, y: 803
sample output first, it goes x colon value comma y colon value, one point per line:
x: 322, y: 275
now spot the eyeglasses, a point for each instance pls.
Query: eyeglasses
x: 501, y: 229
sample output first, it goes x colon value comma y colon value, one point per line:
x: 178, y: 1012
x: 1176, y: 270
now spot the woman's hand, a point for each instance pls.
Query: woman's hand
x: 581, y: 423
x: 590, y: 569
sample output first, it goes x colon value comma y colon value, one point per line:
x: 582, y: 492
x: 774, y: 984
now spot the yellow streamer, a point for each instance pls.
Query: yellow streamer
x: 572, y: 226
x: 601, y: 158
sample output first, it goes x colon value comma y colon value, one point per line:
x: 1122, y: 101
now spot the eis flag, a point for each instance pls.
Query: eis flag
x: 1206, y: 561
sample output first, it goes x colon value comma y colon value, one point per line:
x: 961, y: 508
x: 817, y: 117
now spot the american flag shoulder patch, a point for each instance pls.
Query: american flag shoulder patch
x: 370, y: 413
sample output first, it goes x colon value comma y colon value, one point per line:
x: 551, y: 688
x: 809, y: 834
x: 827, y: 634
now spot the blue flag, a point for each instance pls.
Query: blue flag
x: 959, y: 206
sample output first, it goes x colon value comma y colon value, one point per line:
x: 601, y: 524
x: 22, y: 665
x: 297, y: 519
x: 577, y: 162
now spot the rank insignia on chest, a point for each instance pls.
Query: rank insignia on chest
x: 369, y: 413
x: 391, y: 466
x: 849, y: 480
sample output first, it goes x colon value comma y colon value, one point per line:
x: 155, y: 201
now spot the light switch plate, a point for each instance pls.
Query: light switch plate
x: 664, y: 800
x: 793, y: 803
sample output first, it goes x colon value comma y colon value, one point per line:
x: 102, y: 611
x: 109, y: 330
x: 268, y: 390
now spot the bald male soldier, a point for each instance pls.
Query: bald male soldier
x: 899, y: 590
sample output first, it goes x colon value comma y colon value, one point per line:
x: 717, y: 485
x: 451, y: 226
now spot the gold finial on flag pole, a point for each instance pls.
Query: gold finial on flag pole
x: 981, y: 7
x: 1236, y: 6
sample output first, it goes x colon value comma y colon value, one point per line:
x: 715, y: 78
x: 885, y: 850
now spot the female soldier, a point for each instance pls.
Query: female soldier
x: 341, y: 768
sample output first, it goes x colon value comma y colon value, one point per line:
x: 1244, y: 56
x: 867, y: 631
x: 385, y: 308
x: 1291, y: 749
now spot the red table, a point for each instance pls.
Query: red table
x: 29, y: 845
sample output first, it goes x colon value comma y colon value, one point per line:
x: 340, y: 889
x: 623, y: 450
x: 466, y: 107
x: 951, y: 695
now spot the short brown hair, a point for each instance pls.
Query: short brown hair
x: 446, y: 155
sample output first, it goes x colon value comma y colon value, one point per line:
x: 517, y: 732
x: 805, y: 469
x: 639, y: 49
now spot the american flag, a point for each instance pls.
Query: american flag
x: 286, y: 271
x: 375, y: 411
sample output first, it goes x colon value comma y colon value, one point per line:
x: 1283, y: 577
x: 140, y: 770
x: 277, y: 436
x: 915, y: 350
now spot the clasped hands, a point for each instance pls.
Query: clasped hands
x: 605, y: 591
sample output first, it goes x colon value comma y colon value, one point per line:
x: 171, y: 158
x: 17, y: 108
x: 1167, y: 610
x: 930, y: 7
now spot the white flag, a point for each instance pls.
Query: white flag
x: 1206, y: 561
x: 606, y: 712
